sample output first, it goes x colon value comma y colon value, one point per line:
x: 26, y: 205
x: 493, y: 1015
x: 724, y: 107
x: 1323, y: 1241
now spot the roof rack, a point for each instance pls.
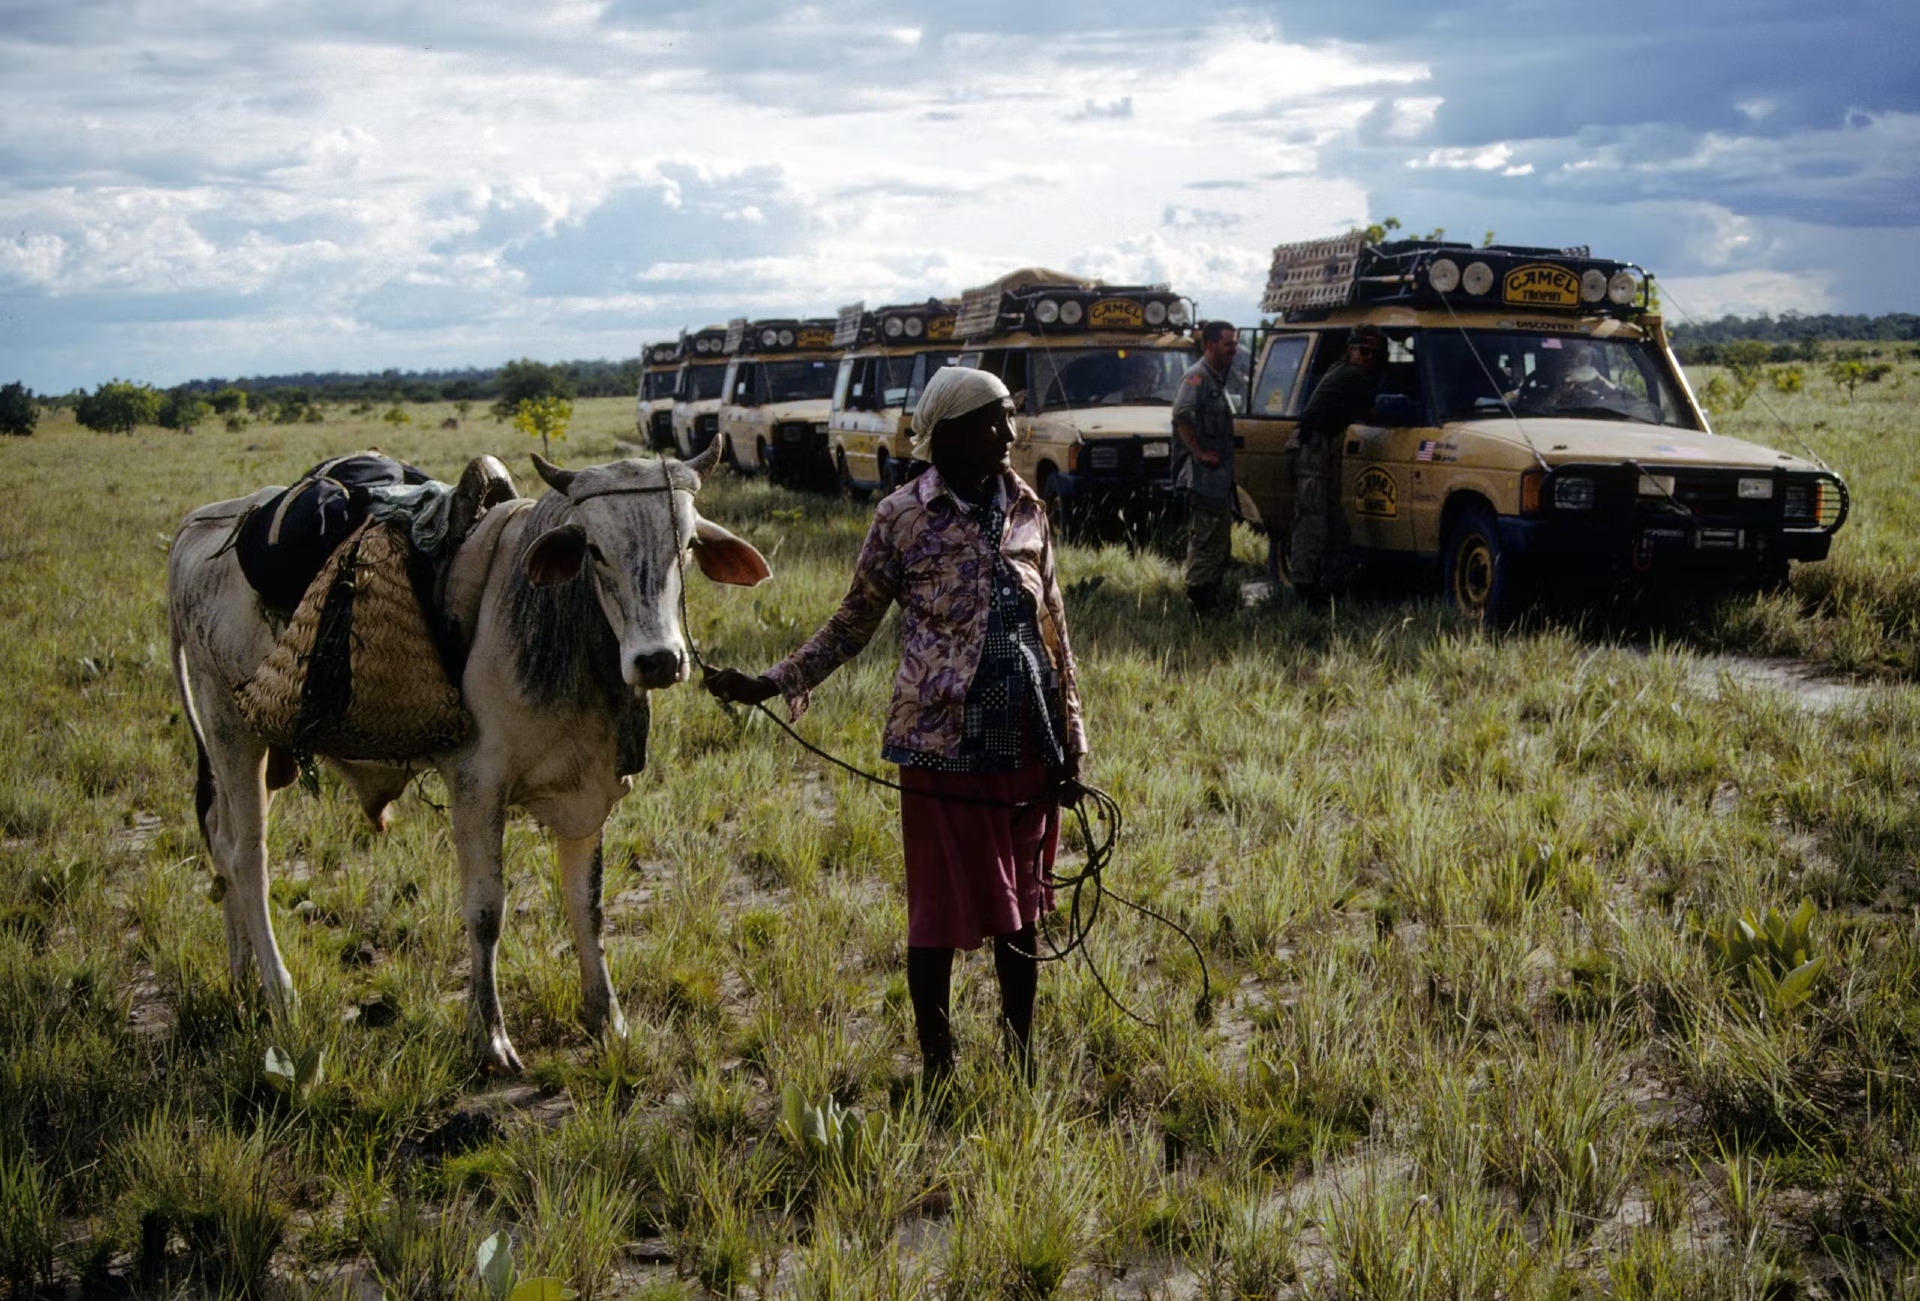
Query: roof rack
x: 897, y: 324
x: 663, y: 354
x: 1316, y: 275
x: 704, y: 344
x: 1050, y: 302
x: 778, y: 334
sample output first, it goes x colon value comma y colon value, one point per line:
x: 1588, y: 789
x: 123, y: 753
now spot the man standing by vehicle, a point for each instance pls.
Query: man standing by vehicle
x: 1319, y: 560
x: 1203, y: 463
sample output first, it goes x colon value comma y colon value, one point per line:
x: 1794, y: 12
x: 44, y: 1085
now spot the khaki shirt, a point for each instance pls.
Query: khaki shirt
x: 1202, y: 402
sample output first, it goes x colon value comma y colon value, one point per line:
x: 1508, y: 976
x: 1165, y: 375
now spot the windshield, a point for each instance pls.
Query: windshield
x: 657, y: 384
x: 1108, y: 377
x: 699, y: 383
x: 1483, y: 372
x: 925, y: 366
x: 795, y: 381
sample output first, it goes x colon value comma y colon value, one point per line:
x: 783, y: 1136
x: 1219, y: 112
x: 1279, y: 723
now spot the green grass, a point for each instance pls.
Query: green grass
x: 1454, y: 891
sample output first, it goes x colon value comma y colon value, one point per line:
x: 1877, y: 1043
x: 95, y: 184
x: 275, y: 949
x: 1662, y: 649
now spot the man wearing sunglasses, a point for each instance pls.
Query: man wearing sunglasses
x: 1318, y: 563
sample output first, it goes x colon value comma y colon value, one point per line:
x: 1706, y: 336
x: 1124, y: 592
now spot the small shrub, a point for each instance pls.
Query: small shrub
x: 1775, y: 953
x: 18, y: 411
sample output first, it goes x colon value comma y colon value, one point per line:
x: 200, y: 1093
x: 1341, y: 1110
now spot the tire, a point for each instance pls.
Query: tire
x: 1480, y: 577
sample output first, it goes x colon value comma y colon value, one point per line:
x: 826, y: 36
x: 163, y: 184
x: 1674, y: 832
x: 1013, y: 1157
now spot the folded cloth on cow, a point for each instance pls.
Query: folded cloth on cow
x: 283, y: 544
x: 953, y: 391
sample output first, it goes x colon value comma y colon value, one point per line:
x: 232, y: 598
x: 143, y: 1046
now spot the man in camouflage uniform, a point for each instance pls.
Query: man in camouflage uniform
x: 1203, y: 463
x: 1319, y: 561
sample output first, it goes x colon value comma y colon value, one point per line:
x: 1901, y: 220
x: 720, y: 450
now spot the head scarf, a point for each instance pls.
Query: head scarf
x: 953, y: 391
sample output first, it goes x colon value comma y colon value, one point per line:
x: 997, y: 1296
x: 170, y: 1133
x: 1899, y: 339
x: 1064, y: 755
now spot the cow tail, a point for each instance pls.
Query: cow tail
x: 203, y: 787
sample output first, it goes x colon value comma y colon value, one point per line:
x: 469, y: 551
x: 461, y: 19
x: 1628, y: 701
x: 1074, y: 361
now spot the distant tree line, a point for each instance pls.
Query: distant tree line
x: 1793, y: 336
x: 119, y: 406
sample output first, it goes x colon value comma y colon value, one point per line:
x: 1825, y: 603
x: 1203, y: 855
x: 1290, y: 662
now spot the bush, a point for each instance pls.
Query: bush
x: 183, y: 409
x: 529, y: 381
x: 1787, y: 379
x: 230, y: 401
x: 18, y: 414
x: 117, y: 406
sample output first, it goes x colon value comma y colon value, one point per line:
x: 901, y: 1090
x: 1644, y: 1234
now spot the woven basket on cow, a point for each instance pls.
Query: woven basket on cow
x: 356, y: 674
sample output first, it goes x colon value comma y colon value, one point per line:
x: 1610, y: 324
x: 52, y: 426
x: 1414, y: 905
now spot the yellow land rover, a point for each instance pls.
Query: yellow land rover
x: 1094, y: 369
x: 653, y: 411
x: 892, y: 353
x: 696, y: 391
x: 773, y: 416
x: 1532, y: 428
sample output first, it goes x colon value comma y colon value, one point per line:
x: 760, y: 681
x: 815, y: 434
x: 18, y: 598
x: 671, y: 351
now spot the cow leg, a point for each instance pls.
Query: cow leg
x: 581, y: 873
x: 479, y: 820
x: 237, y: 839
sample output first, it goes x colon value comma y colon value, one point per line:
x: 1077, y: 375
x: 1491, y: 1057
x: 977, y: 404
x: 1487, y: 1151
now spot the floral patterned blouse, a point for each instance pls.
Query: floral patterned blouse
x: 929, y: 553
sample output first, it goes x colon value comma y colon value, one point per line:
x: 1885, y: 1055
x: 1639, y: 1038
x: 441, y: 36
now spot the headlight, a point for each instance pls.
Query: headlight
x: 1478, y: 278
x: 1799, y: 501
x: 893, y: 327
x: 1656, y: 485
x: 1046, y: 311
x: 1593, y: 285
x: 1756, y: 490
x: 1156, y: 312
x: 1177, y: 316
x: 1573, y: 493
x: 768, y: 338
x: 1071, y: 312
x: 914, y: 327
x: 786, y: 337
x: 1622, y: 288
x: 1444, y: 275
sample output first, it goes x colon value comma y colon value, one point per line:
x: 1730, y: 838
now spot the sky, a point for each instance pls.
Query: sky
x: 202, y: 188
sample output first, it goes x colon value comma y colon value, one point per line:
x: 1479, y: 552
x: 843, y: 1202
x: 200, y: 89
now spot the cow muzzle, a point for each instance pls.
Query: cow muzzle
x: 658, y: 668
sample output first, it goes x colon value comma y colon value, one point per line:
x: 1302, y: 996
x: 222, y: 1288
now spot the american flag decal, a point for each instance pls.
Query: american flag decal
x: 1426, y: 450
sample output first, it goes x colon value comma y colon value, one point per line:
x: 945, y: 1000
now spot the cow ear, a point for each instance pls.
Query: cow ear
x: 725, y: 558
x: 555, y: 556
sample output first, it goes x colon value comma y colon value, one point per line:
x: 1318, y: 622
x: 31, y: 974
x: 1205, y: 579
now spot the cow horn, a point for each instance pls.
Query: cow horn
x: 703, y: 464
x: 557, y: 479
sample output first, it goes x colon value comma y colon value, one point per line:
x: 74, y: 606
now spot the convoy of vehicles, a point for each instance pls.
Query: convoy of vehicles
x: 653, y: 411
x: 695, y: 417
x: 1532, y: 426
x: 1094, y: 369
x: 779, y: 384
x: 891, y: 353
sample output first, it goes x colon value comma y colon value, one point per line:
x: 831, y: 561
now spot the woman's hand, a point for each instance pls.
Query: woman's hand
x: 739, y: 688
x: 1066, y: 781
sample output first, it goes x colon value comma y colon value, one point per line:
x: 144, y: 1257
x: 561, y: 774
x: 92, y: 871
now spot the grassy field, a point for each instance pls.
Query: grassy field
x: 1465, y: 901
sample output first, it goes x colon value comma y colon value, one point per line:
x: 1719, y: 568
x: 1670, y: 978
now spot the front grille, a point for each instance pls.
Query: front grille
x: 1677, y: 496
x: 1123, y: 458
x: 798, y: 433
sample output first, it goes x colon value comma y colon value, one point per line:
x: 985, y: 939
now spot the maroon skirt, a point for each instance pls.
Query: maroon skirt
x: 974, y: 870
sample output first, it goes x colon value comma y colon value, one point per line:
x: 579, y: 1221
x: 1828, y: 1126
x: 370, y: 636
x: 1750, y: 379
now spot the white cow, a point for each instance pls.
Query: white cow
x: 570, y: 607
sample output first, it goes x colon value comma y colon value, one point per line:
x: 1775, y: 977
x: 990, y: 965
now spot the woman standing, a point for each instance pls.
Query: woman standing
x: 985, y: 722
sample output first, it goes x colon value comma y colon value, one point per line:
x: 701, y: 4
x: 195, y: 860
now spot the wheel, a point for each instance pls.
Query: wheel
x: 1480, y: 577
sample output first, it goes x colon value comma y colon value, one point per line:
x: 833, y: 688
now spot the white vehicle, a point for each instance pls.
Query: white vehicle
x: 779, y: 384
x: 696, y: 390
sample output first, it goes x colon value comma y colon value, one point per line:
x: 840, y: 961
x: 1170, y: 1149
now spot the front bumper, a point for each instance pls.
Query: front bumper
x: 1702, y: 522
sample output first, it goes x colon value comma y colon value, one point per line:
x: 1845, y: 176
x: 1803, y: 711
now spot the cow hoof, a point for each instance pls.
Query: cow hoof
x: 497, y: 1057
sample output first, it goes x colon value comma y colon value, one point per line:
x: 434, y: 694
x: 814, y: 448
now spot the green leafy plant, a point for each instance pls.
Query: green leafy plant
x: 1775, y: 953
x: 18, y: 411
x: 495, y: 1263
x: 830, y: 1135
x: 544, y: 418
x: 296, y: 1077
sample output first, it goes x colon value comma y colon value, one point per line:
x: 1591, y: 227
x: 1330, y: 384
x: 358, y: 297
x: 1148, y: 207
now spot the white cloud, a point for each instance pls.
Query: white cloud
x: 1489, y: 158
x: 1746, y: 293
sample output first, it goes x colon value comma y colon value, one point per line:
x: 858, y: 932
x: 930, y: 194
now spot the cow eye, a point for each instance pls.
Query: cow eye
x: 594, y: 551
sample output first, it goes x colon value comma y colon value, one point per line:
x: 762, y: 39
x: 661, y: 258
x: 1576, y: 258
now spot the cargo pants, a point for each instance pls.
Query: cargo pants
x: 1209, y: 548
x: 1319, y: 557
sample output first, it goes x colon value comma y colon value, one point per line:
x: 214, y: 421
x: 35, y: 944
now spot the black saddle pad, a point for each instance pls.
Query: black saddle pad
x: 283, y: 543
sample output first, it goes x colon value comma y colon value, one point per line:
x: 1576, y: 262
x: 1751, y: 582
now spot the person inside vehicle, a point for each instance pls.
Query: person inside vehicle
x: 1581, y: 383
